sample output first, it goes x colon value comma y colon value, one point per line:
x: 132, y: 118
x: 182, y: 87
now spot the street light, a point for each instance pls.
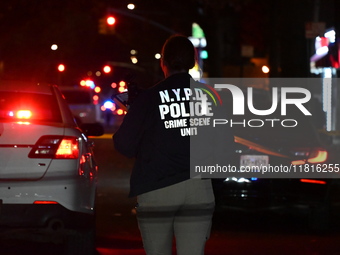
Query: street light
x: 131, y: 6
x: 265, y: 69
x: 54, y: 47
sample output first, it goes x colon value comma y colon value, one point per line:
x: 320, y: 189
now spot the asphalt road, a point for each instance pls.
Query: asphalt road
x: 232, y: 233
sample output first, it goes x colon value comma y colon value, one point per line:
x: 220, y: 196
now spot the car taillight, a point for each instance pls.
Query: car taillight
x: 68, y: 148
x: 43, y: 202
x: 318, y: 156
x: 314, y: 157
x: 312, y: 181
x: 57, y: 147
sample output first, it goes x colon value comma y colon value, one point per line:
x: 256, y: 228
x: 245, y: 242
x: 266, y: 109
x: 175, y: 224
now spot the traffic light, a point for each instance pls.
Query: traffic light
x: 102, y: 26
x: 107, y: 69
x: 61, y: 67
x: 106, y: 25
x: 111, y: 20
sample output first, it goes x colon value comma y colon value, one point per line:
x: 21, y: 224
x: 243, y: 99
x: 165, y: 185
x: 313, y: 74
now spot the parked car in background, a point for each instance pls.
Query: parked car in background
x: 84, y: 107
x: 300, y: 148
x: 48, y: 173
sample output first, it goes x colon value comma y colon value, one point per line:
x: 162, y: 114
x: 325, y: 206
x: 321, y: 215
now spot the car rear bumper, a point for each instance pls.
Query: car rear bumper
x: 74, y: 193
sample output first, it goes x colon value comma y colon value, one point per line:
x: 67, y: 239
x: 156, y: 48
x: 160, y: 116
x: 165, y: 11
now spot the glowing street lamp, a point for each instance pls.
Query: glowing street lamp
x: 265, y: 69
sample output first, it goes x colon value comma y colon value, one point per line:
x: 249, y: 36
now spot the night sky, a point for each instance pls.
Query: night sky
x: 29, y: 27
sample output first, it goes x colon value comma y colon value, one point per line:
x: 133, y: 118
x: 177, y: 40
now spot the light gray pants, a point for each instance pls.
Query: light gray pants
x: 183, y: 210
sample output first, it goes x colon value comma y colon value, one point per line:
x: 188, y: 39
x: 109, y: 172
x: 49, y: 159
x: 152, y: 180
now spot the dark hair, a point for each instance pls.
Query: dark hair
x: 179, y: 53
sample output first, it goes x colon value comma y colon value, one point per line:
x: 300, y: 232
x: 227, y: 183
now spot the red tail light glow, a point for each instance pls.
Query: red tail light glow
x: 45, y: 202
x: 56, y: 147
x: 321, y: 156
x: 312, y: 181
x: 298, y: 162
x: 68, y: 148
x: 316, y: 156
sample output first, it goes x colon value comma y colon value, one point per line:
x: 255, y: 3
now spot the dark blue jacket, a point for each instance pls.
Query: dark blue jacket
x: 156, y: 131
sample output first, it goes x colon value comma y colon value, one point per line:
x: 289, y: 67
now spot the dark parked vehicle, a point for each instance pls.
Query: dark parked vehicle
x: 309, y: 184
x: 82, y: 105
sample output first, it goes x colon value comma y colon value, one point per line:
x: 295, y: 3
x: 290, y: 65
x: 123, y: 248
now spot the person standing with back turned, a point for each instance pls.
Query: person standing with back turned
x: 169, y: 203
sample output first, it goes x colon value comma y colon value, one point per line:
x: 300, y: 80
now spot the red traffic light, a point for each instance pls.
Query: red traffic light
x: 107, y: 69
x: 61, y: 68
x: 110, y: 20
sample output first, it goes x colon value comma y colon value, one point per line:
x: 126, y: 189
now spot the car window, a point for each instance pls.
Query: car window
x: 28, y: 106
x: 77, y: 97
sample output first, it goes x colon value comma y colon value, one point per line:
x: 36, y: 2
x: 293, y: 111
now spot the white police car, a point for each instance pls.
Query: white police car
x: 48, y: 174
